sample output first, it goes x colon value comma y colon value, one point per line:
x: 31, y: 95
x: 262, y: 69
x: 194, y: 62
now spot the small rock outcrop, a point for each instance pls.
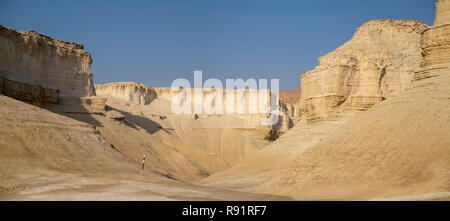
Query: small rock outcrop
x: 32, y: 58
x: 378, y: 62
x: 132, y: 93
x: 115, y: 115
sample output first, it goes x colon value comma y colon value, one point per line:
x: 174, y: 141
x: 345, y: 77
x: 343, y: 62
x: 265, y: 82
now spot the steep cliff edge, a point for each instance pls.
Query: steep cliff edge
x: 397, y: 149
x: 442, y: 13
x: 211, y: 142
x: 46, y: 156
x: 142, y: 99
x: 376, y: 63
x: 36, y: 59
x: 129, y: 92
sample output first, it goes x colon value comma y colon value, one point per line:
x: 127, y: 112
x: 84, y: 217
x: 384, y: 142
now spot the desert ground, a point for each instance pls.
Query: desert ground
x: 370, y: 122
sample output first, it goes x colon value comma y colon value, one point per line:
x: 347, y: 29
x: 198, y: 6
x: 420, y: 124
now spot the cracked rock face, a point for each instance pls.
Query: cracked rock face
x: 436, y: 44
x: 378, y: 62
x: 36, y: 59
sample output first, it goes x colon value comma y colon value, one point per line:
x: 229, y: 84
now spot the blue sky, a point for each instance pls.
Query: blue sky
x: 155, y: 42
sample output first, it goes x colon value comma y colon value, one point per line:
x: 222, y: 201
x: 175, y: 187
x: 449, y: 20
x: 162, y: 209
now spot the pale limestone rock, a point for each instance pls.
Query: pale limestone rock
x: 436, y: 52
x: 436, y: 44
x: 399, y: 147
x: 130, y: 92
x: 83, y: 105
x: 139, y: 94
x: 442, y: 12
x: 156, y: 101
x: 36, y: 59
x: 378, y: 62
x: 115, y: 115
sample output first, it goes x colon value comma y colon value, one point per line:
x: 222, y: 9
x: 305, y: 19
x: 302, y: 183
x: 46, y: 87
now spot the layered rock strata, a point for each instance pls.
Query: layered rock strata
x: 247, y: 103
x: 36, y: 59
x: 405, y: 148
x: 131, y: 92
x: 399, y: 149
x: 436, y: 44
x: 35, y: 94
x: 378, y: 62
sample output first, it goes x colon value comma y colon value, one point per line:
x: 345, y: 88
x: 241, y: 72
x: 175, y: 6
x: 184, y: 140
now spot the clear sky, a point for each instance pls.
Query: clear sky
x: 155, y: 42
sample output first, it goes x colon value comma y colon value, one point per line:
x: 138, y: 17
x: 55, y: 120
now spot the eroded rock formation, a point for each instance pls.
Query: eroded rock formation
x: 35, y: 94
x: 378, y: 62
x: 436, y: 44
x: 442, y: 13
x: 404, y: 150
x: 290, y: 96
x: 211, y: 141
x: 399, y: 149
x: 130, y: 92
x: 36, y: 59
x: 138, y: 98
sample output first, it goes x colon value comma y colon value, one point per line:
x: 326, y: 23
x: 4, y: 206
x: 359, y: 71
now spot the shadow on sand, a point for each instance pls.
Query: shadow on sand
x: 80, y: 113
x: 136, y: 122
x: 76, y: 112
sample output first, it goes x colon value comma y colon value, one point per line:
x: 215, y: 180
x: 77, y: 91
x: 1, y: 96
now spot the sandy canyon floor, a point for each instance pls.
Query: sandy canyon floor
x: 370, y: 122
x: 47, y: 156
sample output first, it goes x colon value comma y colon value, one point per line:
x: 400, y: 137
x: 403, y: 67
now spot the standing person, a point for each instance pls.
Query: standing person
x: 143, y: 165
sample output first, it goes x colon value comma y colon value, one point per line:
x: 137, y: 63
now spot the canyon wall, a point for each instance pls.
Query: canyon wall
x: 376, y: 63
x: 399, y: 149
x: 34, y: 94
x: 442, y: 12
x: 156, y: 102
x: 35, y: 59
x: 135, y: 94
x: 402, y: 147
x: 131, y: 92
x: 245, y: 101
x: 436, y: 44
x: 211, y: 141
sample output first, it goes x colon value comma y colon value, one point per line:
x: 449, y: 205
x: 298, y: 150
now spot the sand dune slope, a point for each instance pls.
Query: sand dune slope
x: 399, y: 147
x: 47, y: 156
x: 276, y: 158
x: 192, y: 147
